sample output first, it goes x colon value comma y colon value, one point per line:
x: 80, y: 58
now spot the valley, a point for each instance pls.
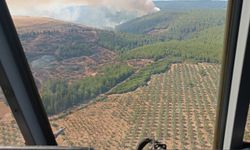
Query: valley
x: 87, y: 51
x: 152, y: 76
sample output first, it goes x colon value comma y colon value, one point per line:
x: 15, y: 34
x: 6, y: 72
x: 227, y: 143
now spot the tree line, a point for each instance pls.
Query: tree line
x: 59, y: 95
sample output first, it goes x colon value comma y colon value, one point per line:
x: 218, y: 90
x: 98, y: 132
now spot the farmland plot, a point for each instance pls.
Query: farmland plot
x: 177, y: 107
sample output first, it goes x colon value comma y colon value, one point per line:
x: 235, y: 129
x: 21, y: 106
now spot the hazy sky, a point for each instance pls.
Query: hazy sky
x: 48, y: 7
x: 58, y: 9
x: 22, y: 7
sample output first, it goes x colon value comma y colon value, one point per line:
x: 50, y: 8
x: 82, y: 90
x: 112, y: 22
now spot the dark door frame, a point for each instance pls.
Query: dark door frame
x: 19, y: 86
x: 234, y: 95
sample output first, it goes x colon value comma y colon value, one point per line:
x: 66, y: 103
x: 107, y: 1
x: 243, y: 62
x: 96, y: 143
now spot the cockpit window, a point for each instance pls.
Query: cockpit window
x: 112, y: 73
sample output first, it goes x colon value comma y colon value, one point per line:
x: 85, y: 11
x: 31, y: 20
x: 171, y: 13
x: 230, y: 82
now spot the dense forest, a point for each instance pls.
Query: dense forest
x: 58, y: 95
x: 120, y: 42
x: 205, y: 46
x: 163, y: 38
x: 174, y: 25
x: 144, y: 74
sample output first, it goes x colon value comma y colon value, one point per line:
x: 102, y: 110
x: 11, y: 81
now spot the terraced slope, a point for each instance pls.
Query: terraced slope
x: 177, y: 107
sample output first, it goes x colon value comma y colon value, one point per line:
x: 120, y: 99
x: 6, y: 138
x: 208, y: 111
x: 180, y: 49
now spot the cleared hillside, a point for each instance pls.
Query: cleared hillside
x: 61, y: 50
x: 28, y: 21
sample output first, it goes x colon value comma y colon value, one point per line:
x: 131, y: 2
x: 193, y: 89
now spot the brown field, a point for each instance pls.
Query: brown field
x: 24, y: 21
x: 74, y: 68
x: 4, y: 109
x: 177, y: 107
x: 9, y: 132
x: 139, y: 63
x: 28, y: 23
x: 41, y: 36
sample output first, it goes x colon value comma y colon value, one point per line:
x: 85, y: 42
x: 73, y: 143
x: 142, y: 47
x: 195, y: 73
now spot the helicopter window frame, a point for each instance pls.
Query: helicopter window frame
x: 19, y: 87
x: 33, y: 98
x: 233, y: 102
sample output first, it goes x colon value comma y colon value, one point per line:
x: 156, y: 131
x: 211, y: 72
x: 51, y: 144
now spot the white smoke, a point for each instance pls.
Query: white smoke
x: 26, y: 6
x: 156, y: 9
x: 59, y: 9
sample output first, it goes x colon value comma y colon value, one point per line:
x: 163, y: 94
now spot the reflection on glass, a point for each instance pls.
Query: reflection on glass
x: 10, y: 134
x: 115, y: 75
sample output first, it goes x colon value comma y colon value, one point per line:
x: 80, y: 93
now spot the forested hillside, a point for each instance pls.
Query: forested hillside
x: 161, y: 26
x: 79, y: 70
x: 120, y: 41
x: 174, y: 25
x: 59, y: 96
x: 203, y: 46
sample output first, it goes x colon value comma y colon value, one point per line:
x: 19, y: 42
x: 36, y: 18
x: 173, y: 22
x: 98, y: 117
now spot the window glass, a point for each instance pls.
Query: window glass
x: 10, y: 134
x: 111, y: 73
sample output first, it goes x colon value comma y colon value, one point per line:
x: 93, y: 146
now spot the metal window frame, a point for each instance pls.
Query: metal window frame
x: 40, y: 133
x: 233, y: 96
x: 43, y: 148
x: 20, y: 90
x: 242, y: 106
x: 19, y: 86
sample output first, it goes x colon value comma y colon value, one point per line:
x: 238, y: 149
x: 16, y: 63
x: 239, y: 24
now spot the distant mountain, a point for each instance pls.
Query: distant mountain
x: 174, y: 25
x: 106, y: 17
x: 73, y: 57
x: 96, y: 16
x: 189, y: 5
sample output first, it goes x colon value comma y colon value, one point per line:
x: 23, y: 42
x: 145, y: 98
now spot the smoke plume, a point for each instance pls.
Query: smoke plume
x: 98, y: 13
x: 141, y: 6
